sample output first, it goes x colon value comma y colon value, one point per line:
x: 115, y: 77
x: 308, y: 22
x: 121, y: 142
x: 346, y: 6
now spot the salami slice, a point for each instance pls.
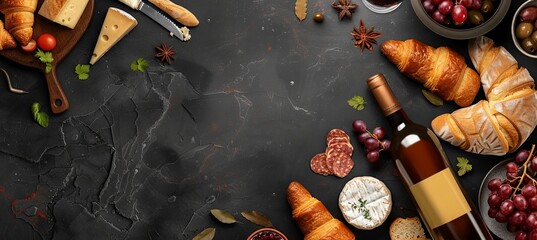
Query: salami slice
x: 336, y: 133
x: 334, y: 140
x: 343, y: 147
x: 318, y: 164
x: 342, y: 166
x: 332, y: 158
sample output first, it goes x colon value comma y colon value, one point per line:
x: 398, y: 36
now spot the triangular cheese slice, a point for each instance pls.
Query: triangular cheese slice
x: 117, y: 24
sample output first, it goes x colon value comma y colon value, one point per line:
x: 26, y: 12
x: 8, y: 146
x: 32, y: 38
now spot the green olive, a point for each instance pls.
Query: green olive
x: 528, y: 45
x: 487, y: 7
x: 523, y: 30
x: 475, y: 17
x: 534, y: 36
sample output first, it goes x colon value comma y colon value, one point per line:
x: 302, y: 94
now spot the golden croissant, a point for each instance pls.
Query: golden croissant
x: 441, y: 70
x: 19, y: 18
x: 6, y: 40
x: 505, y: 120
x: 312, y: 217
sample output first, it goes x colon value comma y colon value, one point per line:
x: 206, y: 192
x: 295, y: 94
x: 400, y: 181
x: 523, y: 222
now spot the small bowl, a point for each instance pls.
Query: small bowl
x: 514, y: 24
x: 258, y: 232
x: 461, y: 33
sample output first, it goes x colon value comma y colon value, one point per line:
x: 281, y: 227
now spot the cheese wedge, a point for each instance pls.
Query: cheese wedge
x: 117, y: 24
x: 64, y: 12
x: 365, y: 202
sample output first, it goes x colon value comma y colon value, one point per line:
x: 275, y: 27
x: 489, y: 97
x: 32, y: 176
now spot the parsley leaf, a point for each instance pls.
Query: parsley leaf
x: 357, y: 102
x: 464, y: 166
x: 139, y: 65
x: 40, y: 117
x: 46, y: 58
x: 83, y: 71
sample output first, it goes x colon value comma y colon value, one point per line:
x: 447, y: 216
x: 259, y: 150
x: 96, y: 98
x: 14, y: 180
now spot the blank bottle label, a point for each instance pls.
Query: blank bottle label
x: 440, y: 198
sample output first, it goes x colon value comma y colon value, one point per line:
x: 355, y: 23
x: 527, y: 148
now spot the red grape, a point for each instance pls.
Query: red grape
x: 518, y: 218
x: 492, y: 212
x: 532, y: 235
x: 507, y: 207
x: 533, y: 164
x: 436, y: 2
x: 520, y: 202
x: 476, y: 4
x: 359, y: 126
x: 371, y: 144
x: 501, y: 218
x: 439, y: 17
x: 511, y: 167
x: 429, y: 6
x: 521, y: 235
x: 459, y: 14
x: 372, y: 156
x: 494, y: 184
x: 529, y: 191
x: 532, y: 202
x: 386, y: 144
x: 505, y: 191
x: 494, y: 200
x: 378, y: 132
x: 522, y: 156
x: 466, y: 3
x: 363, y: 137
x: 445, y: 7
x: 531, y: 220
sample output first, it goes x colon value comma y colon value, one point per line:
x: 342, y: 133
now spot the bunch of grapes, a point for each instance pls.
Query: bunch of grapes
x: 513, y: 200
x: 458, y: 11
x: 373, y: 142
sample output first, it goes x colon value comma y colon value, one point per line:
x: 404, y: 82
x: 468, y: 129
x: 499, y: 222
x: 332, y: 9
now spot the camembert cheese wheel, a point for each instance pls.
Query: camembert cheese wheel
x: 66, y: 12
x: 365, y: 202
x: 117, y: 24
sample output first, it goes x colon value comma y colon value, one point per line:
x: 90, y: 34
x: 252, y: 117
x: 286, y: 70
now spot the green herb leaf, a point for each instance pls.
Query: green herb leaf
x: 223, y: 216
x: 40, y: 117
x: 357, y: 102
x: 82, y: 70
x: 257, y: 218
x: 139, y: 65
x: 432, y: 98
x: 361, y: 208
x: 207, y: 234
x: 464, y: 166
x: 46, y: 58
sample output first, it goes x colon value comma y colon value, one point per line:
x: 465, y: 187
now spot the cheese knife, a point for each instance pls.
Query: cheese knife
x: 155, y: 15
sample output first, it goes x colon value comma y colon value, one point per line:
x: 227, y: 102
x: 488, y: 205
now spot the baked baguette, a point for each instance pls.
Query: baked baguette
x: 505, y: 120
x: 441, y: 70
x: 179, y: 13
x: 19, y: 18
x: 312, y: 217
x: 6, y: 40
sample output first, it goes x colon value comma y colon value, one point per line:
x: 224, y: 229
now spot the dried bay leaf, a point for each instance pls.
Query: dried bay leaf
x: 432, y: 98
x: 301, y: 9
x: 257, y: 218
x: 207, y: 234
x: 223, y: 216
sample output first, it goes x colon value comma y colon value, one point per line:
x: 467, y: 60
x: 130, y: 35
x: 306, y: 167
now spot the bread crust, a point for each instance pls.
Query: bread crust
x: 19, y: 18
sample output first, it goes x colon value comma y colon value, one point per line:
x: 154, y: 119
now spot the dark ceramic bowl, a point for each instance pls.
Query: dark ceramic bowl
x: 267, y: 233
x: 516, y: 21
x: 461, y: 33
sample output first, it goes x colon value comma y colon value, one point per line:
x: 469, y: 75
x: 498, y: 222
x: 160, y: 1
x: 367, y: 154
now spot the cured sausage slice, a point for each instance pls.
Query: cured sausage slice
x: 318, y: 164
x: 342, y: 165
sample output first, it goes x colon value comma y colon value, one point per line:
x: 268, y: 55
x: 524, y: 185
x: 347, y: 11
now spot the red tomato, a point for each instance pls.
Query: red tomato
x: 32, y: 45
x: 46, y: 42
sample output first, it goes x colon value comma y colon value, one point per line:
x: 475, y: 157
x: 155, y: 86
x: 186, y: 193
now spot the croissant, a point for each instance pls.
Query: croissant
x: 6, y: 40
x: 441, y: 70
x: 505, y: 120
x: 312, y: 217
x: 19, y: 18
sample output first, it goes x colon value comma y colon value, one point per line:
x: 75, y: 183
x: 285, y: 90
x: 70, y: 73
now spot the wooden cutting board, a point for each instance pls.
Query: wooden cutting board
x: 66, y: 39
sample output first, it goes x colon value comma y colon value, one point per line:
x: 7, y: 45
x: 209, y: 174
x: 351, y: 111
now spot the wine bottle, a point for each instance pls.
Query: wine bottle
x: 425, y: 171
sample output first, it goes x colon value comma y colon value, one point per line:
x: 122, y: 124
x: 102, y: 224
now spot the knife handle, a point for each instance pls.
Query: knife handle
x: 179, y: 13
x: 132, y: 3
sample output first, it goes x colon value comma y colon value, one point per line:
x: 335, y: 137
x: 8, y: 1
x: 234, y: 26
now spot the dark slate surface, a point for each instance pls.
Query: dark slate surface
x: 236, y: 117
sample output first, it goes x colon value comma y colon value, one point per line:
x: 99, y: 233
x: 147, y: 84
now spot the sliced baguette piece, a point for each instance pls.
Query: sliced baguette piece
x: 407, y: 229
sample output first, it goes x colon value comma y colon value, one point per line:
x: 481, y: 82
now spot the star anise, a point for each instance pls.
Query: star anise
x: 165, y: 53
x: 344, y: 8
x: 364, y: 38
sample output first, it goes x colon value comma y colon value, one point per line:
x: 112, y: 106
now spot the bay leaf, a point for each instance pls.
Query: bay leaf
x: 432, y: 98
x: 207, y: 234
x: 223, y: 216
x: 257, y: 218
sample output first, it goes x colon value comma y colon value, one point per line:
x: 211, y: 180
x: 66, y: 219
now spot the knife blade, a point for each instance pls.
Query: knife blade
x: 156, y: 16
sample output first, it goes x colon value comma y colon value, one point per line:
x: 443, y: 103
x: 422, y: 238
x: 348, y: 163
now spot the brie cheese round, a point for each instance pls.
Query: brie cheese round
x: 365, y: 202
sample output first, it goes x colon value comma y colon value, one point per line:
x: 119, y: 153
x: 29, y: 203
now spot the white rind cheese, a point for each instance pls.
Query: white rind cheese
x: 117, y: 24
x: 365, y: 202
x: 66, y: 12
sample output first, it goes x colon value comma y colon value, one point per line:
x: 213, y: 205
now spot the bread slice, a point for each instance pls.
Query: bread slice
x: 407, y: 229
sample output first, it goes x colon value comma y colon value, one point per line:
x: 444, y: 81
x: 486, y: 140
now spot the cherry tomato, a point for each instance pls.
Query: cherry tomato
x: 32, y: 45
x: 46, y: 42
